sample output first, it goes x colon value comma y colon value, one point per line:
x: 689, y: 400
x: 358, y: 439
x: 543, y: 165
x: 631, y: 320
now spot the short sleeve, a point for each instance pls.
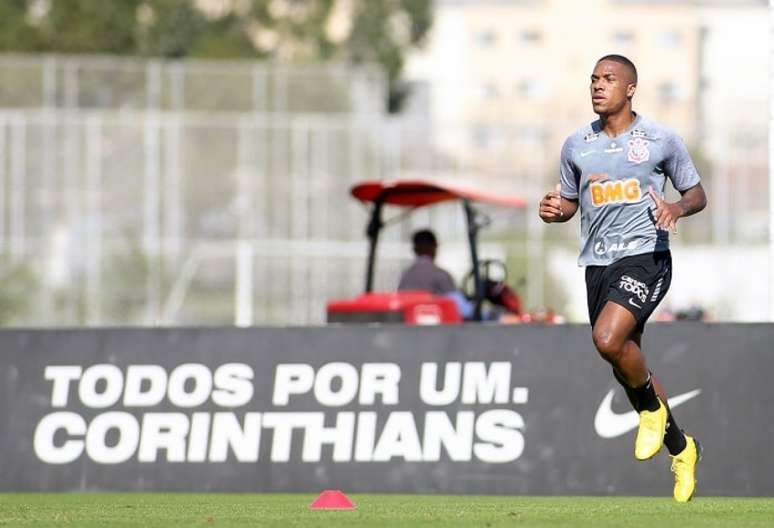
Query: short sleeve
x: 568, y: 172
x: 678, y: 166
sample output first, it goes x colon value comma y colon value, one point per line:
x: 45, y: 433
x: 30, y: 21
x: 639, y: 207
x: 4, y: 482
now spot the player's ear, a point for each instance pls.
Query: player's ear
x: 630, y: 90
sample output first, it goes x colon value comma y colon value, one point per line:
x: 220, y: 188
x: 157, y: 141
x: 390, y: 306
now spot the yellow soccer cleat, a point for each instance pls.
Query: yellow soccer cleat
x: 650, y: 435
x: 684, y: 468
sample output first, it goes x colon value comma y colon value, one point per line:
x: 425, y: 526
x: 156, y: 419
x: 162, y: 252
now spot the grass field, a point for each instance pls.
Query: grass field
x: 168, y: 510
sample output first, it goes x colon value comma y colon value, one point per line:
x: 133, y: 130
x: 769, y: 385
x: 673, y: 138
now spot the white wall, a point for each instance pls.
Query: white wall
x: 730, y: 282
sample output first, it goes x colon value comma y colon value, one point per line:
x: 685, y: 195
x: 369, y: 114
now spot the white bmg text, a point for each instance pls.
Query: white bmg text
x: 196, y: 413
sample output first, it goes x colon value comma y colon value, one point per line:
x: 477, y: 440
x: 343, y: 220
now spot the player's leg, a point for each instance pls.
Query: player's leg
x: 674, y: 438
x: 684, y: 468
x: 614, y: 333
x: 684, y: 450
x: 638, y: 289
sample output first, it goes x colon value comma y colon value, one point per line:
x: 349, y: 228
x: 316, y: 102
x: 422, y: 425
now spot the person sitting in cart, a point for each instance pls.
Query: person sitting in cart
x: 424, y: 274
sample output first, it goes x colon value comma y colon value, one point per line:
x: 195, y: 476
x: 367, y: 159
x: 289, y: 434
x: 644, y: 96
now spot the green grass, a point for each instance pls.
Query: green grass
x: 169, y: 510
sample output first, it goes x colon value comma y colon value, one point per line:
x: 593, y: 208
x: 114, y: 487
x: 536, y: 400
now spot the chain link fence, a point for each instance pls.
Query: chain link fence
x: 150, y: 193
x: 116, y: 83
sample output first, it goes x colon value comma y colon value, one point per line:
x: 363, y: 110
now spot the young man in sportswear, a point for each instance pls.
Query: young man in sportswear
x: 615, y: 170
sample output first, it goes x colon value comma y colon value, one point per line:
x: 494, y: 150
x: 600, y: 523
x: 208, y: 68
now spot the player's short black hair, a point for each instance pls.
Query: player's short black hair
x: 620, y: 59
x: 424, y: 242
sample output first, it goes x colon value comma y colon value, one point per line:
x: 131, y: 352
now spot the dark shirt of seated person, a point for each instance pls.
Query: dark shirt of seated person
x: 423, y: 274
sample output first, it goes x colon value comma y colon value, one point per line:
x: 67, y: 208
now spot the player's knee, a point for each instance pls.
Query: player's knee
x: 608, y: 345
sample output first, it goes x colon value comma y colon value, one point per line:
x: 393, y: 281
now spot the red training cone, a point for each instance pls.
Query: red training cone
x: 332, y: 500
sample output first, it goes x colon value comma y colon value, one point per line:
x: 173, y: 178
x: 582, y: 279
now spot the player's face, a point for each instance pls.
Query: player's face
x: 611, y: 87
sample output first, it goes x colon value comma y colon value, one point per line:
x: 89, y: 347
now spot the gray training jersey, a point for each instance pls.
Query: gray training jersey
x: 611, y: 176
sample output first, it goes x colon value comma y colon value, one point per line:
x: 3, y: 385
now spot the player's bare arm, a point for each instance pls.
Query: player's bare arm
x: 667, y: 214
x: 556, y: 208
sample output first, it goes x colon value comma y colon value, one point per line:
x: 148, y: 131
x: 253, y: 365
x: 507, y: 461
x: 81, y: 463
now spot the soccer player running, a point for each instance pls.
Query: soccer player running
x: 615, y: 170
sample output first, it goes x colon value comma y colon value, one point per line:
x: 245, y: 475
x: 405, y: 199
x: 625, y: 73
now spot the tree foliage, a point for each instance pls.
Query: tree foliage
x: 354, y: 31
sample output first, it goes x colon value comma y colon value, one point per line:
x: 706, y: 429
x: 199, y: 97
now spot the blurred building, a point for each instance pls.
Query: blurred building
x: 733, y: 124
x: 496, y: 70
x: 490, y: 62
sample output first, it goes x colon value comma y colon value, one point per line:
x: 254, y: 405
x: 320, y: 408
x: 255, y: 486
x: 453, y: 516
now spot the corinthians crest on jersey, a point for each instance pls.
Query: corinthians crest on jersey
x: 639, y: 150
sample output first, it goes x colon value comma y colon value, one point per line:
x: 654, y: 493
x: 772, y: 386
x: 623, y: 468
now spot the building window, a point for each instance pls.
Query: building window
x: 489, y: 138
x: 669, y: 92
x: 623, y: 38
x: 530, y: 37
x: 669, y: 39
x: 486, y: 39
x: 490, y: 92
x: 532, y: 89
x: 481, y: 137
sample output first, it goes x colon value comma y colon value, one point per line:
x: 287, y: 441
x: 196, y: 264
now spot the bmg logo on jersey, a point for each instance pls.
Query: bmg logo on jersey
x: 619, y: 191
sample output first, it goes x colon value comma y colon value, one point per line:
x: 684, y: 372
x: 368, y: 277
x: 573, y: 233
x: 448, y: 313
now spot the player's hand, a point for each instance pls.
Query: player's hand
x: 665, y: 214
x: 551, y: 205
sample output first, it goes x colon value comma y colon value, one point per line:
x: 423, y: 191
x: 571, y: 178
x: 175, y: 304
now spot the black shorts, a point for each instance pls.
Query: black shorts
x: 638, y: 283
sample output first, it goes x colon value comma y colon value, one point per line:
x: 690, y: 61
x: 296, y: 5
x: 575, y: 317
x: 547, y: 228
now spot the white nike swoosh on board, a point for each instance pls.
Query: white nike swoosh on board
x: 634, y: 304
x: 584, y: 154
x: 609, y: 424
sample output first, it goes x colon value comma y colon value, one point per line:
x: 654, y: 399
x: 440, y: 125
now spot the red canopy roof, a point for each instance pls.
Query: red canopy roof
x: 416, y: 193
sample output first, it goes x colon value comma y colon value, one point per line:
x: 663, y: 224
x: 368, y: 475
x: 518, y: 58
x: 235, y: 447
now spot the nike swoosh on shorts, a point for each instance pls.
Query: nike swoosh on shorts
x: 609, y: 424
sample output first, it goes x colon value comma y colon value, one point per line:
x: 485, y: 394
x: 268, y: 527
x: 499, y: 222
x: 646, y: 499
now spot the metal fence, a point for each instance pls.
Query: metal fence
x: 118, y: 83
x: 148, y: 218
x: 134, y: 207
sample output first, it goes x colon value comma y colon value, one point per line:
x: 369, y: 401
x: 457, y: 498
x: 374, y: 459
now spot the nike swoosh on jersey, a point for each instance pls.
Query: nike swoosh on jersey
x: 609, y: 424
